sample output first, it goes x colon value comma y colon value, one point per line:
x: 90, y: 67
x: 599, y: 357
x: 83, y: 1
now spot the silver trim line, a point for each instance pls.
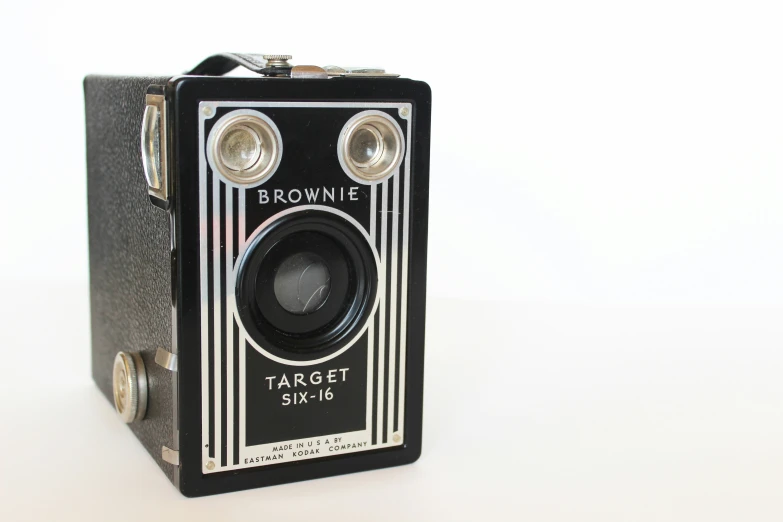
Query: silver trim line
x: 204, y: 114
x: 230, y: 312
x: 404, y: 276
x: 393, y: 305
x: 371, y: 321
x: 218, y: 310
x: 382, y: 312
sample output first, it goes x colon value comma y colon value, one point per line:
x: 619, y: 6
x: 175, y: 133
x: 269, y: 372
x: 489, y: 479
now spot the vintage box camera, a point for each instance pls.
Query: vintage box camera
x: 258, y: 267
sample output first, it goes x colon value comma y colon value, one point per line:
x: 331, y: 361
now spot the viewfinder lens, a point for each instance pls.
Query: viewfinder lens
x: 370, y: 147
x: 366, y: 146
x: 240, y: 148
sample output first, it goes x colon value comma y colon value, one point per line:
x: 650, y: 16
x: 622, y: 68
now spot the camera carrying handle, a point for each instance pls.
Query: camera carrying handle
x: 277, y: 65
x: 223, y: 63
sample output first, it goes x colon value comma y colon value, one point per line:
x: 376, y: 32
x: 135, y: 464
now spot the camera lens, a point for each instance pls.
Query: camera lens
x: 302, y: 283
x: 366, y: 146
x: 240, y: 148
x: 307, y: 284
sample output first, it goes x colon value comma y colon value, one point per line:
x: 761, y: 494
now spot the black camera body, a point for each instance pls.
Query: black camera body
x: 258, y: 267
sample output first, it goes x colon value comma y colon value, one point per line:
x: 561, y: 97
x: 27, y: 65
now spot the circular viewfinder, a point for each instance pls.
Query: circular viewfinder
x: 370, y: 147
x: 366, y: 147
x: 302, y: 283
x: 245, y: 147
x: 240, y: 148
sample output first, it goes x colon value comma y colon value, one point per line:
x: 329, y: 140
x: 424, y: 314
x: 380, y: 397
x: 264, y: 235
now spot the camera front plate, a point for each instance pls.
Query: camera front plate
x: 262, y: 405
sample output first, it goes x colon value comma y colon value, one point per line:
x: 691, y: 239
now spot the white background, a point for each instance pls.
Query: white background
x: 606, y: 257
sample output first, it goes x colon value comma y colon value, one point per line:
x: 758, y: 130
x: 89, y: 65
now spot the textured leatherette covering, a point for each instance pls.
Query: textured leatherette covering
x: 130, y: 253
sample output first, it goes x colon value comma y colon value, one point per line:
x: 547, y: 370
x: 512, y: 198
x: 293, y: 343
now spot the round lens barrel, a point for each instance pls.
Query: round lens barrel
x: 307, y: 285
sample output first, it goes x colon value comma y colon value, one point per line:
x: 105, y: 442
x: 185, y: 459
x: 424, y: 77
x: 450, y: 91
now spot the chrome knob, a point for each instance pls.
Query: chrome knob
x: 129, y: 380
x: 277, y: 60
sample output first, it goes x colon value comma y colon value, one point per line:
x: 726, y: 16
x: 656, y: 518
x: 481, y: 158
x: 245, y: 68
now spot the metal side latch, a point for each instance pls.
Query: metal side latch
x: 153, y: 147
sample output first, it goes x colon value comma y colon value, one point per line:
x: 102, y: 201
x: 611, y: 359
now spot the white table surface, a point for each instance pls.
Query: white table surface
x: 532, y: 412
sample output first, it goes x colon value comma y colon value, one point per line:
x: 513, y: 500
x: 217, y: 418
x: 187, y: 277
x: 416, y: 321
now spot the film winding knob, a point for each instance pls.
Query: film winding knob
x: 129, y: 380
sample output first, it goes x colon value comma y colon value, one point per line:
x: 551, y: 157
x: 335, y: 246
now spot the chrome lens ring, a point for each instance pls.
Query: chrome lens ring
x: 245, y: 147
x: 370, y: 147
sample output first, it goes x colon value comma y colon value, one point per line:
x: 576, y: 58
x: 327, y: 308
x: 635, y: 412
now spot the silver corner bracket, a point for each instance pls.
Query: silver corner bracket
x: 171, y: 456
x: 357, y: 72
x: 166, y: 359
x: 154, y: 153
